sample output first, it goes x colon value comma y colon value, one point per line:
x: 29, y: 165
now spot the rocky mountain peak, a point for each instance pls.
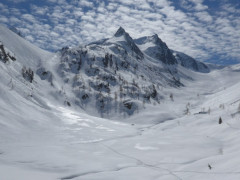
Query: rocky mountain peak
x: 147, y: 39
x: 155, y: 37
x: 154, y: 47
x: 127, y: 42
x: 156, y: 40
x: 120, y: 32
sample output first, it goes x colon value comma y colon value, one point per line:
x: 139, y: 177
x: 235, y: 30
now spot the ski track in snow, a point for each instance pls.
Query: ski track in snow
x: 139, y: 163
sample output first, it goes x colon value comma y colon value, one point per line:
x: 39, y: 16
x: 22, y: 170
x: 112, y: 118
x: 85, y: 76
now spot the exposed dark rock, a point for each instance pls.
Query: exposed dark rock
x: 28, y: 74
x: 4, y: 55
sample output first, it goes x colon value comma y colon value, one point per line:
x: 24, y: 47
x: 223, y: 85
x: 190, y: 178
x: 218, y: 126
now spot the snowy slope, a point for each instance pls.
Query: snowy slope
x: 170, y: 145
x: 45, y: 134
x: 27, y: 54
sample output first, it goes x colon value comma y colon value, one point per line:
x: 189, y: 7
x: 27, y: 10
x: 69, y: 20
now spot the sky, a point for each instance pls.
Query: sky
x: 208, y: 30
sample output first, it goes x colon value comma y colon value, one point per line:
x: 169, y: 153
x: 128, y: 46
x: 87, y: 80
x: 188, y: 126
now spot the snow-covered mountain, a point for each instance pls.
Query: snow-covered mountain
x: 166, y: 107
x: 112, y: 76
x: 119, y: 74
x: 156, y: 49
x: 190, y: 63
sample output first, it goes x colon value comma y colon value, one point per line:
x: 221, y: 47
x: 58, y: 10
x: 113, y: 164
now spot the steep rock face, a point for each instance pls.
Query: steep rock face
x: 190, y: 63
x: 122, y: 38
x: 28, y: 74
x: 154, y: 47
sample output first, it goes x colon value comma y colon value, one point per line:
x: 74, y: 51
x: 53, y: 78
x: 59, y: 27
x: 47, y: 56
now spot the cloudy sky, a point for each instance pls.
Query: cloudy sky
x: 208, y: 30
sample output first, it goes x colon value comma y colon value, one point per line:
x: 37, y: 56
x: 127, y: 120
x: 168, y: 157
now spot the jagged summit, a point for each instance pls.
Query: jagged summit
x: 126, y: 41
x: 154, y: 47
x: 155, y: 38
x: 150, y: 39
x: 120, y: 32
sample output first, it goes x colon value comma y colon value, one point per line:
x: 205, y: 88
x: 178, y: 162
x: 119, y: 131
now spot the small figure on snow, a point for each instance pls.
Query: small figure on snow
x: 209, y: 166
x: 220, y: 120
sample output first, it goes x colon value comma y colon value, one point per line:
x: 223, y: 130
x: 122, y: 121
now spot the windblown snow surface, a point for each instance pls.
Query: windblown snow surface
x: 41, y: 139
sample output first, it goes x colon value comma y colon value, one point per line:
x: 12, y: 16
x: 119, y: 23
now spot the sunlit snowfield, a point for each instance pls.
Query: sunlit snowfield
x: 161, y: 142
x: 41, y: 139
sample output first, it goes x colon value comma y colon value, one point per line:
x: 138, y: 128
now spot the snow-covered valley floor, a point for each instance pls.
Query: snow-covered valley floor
x: 161, y: 142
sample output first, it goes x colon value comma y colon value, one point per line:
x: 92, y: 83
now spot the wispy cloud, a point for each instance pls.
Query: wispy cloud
x: 17, y: 1
x: 190, y: 26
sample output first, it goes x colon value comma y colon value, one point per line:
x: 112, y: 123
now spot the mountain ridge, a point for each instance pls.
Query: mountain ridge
x: 118, y: 75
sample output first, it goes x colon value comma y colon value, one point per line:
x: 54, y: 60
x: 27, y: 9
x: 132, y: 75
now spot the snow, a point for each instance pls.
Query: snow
x: 26, y: 53
x: 11, y: 173
x: 73, y: 145
x: 41, y: 138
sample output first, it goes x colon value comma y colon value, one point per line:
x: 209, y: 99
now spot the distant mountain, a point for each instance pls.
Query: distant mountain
x: 112, y: 76
x: 190, y: 63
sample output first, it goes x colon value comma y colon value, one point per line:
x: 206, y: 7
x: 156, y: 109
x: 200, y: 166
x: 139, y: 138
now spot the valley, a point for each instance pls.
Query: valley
x: 174, y: 135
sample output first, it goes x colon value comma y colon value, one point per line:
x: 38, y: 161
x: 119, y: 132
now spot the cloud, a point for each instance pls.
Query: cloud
x: 39, y: 10
x: 52, y: 1
x: 17, y: 1
x: 204, y: 16
x: 14, y: 20
x: 85, y: 3
x: 200, y: 7
x: 190, y: 26
x: 3, y: 19
x: 28, y: 17
x: 195, y: 5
